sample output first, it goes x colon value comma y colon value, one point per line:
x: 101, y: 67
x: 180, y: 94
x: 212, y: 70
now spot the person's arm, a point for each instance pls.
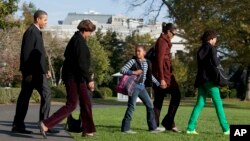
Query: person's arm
x: 83, y: 58
x: 27, y: 52
x: 126, y: 68
x: 155, y: 81
x: 215, y: 60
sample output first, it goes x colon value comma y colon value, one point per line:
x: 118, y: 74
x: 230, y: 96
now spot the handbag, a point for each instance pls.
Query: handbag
x: 221, y: 78
x: 127, y: 84
x: 73, y: 125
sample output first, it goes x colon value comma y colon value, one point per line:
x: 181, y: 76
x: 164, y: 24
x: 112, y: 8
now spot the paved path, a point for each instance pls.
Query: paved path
x: 6, y: 117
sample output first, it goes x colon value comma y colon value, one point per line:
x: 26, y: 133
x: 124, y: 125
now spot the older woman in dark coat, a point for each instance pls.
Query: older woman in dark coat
x: 77, y: 79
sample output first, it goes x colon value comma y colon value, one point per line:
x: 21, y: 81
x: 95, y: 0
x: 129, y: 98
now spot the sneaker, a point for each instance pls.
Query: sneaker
x: 192, y: 132
x: 157, y: 130
x: 227, y: 132
x: 175, y: 129
x: 129, y: 132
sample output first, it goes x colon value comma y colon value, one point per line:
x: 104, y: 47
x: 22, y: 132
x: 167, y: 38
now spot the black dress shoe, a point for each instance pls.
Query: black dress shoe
x: 53, y: 131
x: 42, y: 131
x: 20, y: 130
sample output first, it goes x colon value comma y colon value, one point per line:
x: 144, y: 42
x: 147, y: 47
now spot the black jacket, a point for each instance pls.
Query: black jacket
x: 206, y: 60
x: 33, y: 55
x: 77, y: 59
x: 148, y: 82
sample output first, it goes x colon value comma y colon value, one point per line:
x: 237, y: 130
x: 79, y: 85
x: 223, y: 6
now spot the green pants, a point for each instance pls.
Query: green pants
x: 208, y: 89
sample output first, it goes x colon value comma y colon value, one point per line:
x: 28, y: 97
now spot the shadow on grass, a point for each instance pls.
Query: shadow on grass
x: 117, y: 128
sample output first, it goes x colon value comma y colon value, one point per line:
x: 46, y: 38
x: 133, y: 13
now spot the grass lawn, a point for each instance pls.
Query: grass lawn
x: 108, y: 122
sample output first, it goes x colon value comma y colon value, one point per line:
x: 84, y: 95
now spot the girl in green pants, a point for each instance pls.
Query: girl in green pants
x: 205, y: 81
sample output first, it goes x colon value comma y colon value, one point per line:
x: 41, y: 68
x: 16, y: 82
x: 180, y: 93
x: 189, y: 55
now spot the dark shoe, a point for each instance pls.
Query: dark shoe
x: 20, y: 130
x: 53, y: 131
x: 41, y: 130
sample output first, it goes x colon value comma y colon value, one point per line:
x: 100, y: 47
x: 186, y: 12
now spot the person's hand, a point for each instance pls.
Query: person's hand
x: 163, y: 84
x: 48, y: 75
x: 91, y: 86
x: 137, y: 72
x: 28, y: 78
x: 195, y: 91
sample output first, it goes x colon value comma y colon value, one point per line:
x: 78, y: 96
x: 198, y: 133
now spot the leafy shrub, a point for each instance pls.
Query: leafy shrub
x: 58, y: 91
x: 35, y: 96
x: 233, y: 93
x: 103, y: 92
x: 9, y: 95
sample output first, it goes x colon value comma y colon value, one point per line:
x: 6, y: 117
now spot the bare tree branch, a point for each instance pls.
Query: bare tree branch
x: 170, y: 8
x: 158, y: 12
x: 138, y: 4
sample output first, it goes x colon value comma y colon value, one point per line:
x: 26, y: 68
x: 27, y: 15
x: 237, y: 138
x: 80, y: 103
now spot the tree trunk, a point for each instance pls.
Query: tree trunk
x: 248, y: 85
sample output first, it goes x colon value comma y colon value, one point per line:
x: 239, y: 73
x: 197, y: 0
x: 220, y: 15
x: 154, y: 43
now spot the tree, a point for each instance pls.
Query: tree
x: 54, y: 47
x: 7, y: 8
x: 10, y: 54
x: 100, y: 64
x: 28, y: 12
x: 132, y: 41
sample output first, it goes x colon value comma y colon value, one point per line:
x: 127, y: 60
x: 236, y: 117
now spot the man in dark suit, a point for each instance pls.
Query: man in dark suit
x: 34, y: 72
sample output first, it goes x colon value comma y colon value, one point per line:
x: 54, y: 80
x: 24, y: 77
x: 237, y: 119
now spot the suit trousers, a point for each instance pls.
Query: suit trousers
x: 75, y: 91
x: 40, y: 83
x: 159, y: 94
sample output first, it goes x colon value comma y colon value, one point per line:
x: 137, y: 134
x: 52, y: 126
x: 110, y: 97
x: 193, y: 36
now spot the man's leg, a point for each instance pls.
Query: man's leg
x: 22, y: 106
x: 42, y: 87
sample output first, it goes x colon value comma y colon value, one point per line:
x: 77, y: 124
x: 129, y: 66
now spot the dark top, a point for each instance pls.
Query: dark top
x: 206, y: 60
x: 77, y: 59
x: 162, y: 64
x: 33, y: 55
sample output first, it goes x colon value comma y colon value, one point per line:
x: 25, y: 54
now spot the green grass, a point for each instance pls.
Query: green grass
x: 108, y: 122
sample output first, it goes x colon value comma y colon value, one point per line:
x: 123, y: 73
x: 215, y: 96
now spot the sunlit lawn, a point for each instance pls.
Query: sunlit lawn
x: 108, y: 122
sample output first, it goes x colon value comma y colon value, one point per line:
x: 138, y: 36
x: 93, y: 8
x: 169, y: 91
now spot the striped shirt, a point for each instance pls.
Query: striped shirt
x: 126, y: 70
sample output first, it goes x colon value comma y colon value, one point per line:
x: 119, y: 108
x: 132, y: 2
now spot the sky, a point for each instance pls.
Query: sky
x: 58, y: 9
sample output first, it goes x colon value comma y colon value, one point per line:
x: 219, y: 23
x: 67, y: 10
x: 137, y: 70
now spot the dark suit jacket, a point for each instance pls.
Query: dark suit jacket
x: 161, y: 66
x: 33, y: 55
x: 206, y: 60
x: 77, y: 59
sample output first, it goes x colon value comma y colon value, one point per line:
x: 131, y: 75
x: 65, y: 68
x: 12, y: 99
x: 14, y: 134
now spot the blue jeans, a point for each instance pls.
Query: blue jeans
x: 143, y: 95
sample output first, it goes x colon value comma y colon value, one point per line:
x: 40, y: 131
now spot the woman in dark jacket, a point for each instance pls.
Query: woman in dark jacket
x: 162, y: 70
x: 77, y: 79
x: 206, y: 82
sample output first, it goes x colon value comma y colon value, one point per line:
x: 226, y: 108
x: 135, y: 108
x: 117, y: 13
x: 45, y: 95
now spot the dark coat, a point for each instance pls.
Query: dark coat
x: 77, y: 59
x: 162, y: 68
x: 33, y: 55
x: 148, y: 82
x: 206, y: 61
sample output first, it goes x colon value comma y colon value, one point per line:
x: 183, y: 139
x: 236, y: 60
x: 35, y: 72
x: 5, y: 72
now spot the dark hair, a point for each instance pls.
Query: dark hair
x: 168, y: 26
x: 140, y: 46
x: 39, y: 14
x: 86, y: 25
x: 208, y: 35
